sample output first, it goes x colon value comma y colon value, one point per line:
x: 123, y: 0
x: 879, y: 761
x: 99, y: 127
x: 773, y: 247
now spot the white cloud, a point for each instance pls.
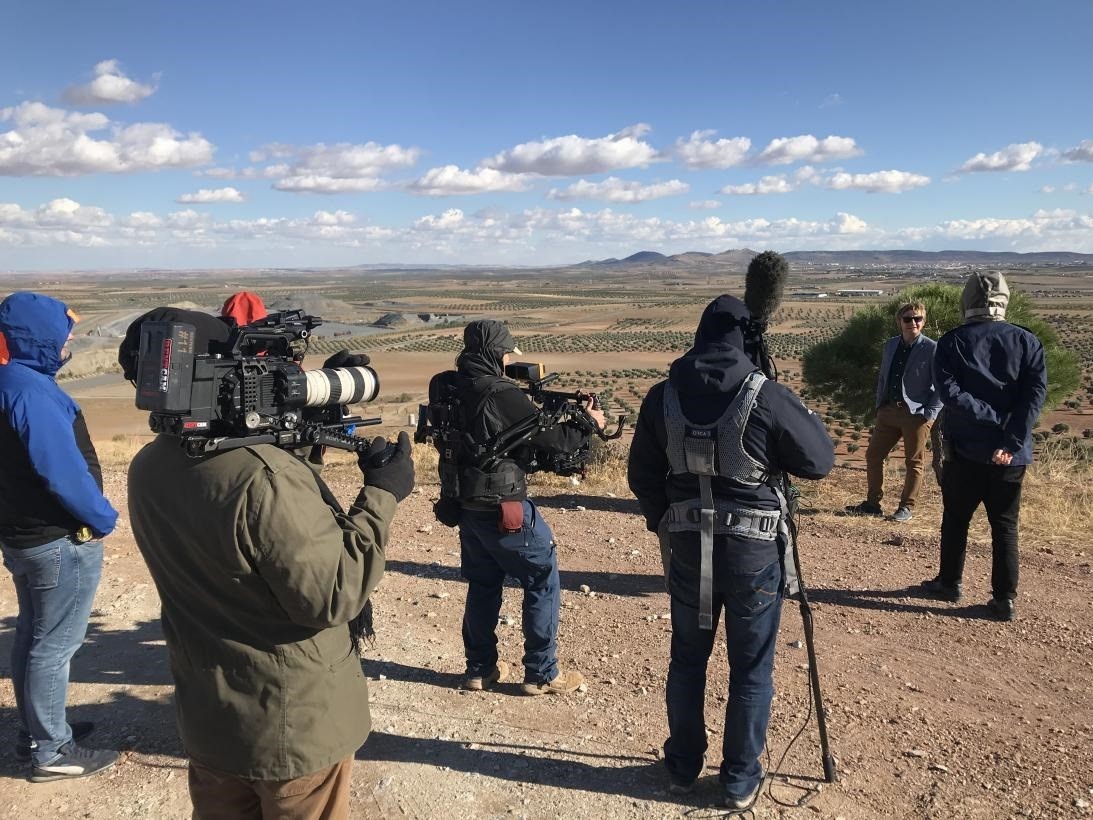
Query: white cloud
x: 316, y: 184
x: 704, y: 205
x: 212, y: 195
x: 451, y: 180
x: 807, y: 148
x: 572, y: 155
x: 274, y: 150
x: 52, y: 142
x: 276, y: 171
x: 110, y: 85
x: 848, y: 223
x: 614, y: 189
x: 326, y: 169
x: 334, y: 218
x: 345, y: 160
x: 831, y: 101
x: 889, y: 182
x: 1082, y: 152
x: 1015, y: 157
x: 778, y: 184
x: 1068, y: 188
x: 699, y: 151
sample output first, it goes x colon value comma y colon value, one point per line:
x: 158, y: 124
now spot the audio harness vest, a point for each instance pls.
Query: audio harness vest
x: 717, y: 450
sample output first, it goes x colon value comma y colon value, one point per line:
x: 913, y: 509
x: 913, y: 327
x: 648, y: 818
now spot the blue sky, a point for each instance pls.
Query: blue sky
x: 321, y: 134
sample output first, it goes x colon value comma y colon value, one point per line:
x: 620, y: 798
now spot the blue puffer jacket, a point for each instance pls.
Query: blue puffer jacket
x: 50, y: 481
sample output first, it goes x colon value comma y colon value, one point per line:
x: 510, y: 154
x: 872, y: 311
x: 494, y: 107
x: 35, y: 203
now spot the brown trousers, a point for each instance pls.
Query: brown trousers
x: 323, y: 795
x: 895, y: 422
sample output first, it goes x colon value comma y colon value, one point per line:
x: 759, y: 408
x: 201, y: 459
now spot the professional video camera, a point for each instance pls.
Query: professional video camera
x: 254, y: 392
x: 439, y: 422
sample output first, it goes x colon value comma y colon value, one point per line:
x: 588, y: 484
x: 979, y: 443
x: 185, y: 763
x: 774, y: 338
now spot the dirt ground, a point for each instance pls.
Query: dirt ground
x: 934, y: 711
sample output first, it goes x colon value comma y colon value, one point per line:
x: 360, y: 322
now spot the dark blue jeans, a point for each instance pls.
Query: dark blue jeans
x: 528, y: 556
x: 55, y: 584
x: 753, y: 607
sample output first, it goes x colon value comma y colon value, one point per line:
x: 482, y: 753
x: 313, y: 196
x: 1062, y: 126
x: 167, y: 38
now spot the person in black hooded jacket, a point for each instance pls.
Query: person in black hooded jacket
x: 780, y: 434
x: 501, y: 532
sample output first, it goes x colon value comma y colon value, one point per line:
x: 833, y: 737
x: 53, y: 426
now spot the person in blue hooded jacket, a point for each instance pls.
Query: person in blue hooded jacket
x: 53, y: 516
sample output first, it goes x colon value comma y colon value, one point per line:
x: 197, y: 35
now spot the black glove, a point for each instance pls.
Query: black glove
x: 389, y: 466
x: 343, y: 358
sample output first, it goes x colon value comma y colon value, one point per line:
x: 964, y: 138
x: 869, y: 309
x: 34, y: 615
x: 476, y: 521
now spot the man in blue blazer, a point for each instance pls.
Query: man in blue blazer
x: 907, y: 405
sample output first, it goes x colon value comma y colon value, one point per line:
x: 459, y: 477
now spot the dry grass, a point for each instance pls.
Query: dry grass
x: 1056, y: 503
x: 118, y: 451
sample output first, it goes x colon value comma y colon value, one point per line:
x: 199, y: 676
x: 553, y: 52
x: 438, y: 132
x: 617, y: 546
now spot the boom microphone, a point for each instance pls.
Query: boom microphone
x: 763, y: 285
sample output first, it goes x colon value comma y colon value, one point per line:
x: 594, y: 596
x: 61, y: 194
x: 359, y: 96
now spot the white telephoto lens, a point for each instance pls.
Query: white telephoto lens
x: 341, y: 385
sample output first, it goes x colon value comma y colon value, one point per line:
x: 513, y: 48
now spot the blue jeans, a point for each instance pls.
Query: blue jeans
x: 528, y: 556
x: 55, y: 584
x: 752, y: 603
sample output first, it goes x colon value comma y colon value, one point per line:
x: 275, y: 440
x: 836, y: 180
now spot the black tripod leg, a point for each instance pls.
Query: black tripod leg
x: 814, y: 677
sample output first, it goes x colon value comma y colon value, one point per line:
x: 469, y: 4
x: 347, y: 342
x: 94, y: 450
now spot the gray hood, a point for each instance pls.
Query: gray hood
x: 985, y: 298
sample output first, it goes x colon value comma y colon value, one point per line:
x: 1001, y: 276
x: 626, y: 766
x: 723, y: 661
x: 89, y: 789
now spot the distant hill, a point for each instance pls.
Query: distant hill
x: 737, y: 259
x: 694, y: 261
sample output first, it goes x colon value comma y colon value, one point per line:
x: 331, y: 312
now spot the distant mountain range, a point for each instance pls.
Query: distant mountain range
x: 738, y: 259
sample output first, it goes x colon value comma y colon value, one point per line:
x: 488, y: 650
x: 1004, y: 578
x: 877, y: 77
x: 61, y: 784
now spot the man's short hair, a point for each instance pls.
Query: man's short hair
x: 917, y: 307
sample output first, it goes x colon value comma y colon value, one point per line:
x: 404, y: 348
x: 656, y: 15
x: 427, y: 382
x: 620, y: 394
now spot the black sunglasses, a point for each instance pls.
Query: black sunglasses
x: 916, y: 319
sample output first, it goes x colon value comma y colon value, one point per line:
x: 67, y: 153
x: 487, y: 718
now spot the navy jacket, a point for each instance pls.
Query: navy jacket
x: 918, y: 380
x: 50, y: 480
x: 992, y: 380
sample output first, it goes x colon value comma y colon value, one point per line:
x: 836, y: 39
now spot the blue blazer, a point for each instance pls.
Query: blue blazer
x: 918, y: 376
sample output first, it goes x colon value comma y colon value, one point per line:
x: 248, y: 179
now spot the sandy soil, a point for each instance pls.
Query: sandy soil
x: 934, y: 711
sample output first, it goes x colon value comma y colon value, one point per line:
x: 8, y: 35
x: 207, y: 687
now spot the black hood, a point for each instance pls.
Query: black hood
x: 718, y: 362
x: 485, y: 343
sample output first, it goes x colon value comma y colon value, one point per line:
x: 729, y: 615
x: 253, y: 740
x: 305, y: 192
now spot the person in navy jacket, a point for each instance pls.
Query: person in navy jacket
x: 992, y: 379
x: 53, y: 516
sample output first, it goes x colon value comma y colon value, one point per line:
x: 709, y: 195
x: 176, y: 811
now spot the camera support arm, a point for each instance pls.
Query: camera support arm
x: 308, y: 433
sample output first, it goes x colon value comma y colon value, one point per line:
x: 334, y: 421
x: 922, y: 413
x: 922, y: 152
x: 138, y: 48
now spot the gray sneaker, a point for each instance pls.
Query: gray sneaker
x: 747, y: 801
x: 902, y: 513
x: 75, y: 761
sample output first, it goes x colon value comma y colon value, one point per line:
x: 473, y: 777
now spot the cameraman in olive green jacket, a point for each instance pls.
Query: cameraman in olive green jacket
x: 259, y: 572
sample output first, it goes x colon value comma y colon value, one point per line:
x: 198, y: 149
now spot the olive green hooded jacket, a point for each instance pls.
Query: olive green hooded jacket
x: 258, y: 578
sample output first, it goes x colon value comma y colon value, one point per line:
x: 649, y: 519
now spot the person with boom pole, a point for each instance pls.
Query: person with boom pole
x: 710, y: 448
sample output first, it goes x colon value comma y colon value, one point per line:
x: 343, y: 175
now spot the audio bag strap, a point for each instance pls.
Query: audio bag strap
x: 700, y: 454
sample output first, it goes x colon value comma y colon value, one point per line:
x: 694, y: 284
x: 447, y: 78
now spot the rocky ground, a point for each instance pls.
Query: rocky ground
x: 934, y: 710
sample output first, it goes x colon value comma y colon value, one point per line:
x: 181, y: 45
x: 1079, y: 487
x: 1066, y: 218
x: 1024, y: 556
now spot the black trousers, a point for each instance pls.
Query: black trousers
x: 964, y: 486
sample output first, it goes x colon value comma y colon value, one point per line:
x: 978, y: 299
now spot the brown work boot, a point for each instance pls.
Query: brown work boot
x: 477, y: 683
x: 564, y: 683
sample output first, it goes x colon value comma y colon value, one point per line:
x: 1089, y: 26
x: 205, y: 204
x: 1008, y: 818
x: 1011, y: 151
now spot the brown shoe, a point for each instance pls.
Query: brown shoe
x: 563, y: 684
x: 477, y: 683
